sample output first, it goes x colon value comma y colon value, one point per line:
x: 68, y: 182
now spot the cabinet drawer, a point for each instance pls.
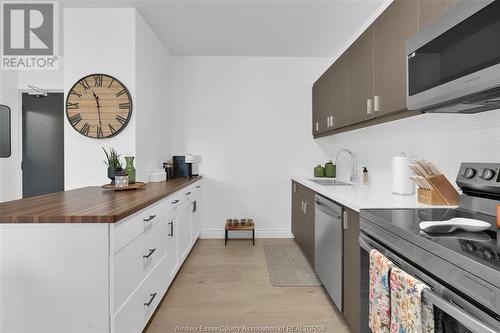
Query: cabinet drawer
x: 134, y: 315
x: 134, y: 262
x: 128, y: 229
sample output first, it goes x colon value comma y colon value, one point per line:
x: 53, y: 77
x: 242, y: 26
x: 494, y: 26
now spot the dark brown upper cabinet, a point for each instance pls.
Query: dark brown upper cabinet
x: 367, y: 84
x: 321, y: 103
x: 430, y: 10
x: 390, y: 32
x: 360, y: 78
x: 329, y: 99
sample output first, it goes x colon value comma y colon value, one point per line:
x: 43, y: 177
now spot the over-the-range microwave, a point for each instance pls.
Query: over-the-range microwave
x: 453, y: 65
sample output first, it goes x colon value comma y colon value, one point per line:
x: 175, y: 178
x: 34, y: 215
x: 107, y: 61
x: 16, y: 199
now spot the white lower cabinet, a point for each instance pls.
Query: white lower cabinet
x: 145, y: 267
x: 94, y: 277
x: 134, y: 262
x: 185, y: 233
x: 134, y: 315
x: 196, y: 209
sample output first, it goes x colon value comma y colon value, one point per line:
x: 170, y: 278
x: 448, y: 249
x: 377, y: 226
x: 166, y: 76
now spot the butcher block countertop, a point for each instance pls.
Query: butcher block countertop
x: 88, y: 204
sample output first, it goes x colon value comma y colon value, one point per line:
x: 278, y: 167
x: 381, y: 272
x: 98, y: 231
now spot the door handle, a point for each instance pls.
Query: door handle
x: 149, y: 218
x: 150, y: 300
x: 171, y: 223
x: 344, y: 221
x: 151, y: 251
x: 195, y: 207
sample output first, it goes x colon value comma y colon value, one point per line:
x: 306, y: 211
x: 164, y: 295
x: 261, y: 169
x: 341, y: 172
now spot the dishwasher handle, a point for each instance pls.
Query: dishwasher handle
x: 326, y: 207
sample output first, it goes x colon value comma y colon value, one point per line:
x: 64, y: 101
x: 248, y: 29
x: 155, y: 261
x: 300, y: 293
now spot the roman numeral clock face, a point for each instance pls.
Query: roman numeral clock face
x: 98, y: 106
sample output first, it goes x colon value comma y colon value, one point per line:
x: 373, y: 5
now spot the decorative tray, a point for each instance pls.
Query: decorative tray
x: 135, y: 186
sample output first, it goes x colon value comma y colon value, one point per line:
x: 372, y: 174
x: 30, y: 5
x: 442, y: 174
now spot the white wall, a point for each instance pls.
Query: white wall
x: 97, y: 41
x: 249, y: 119
x: 153, y: 100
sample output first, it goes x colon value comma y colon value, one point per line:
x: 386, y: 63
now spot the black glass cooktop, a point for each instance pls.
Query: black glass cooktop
x: 483, y: 247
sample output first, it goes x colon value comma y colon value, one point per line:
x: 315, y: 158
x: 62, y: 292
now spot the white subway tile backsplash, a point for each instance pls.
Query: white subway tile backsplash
x: 445, y: 139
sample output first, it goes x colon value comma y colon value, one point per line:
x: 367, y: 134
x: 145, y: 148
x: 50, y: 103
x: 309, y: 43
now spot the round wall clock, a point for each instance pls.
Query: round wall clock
x: 98, y: 106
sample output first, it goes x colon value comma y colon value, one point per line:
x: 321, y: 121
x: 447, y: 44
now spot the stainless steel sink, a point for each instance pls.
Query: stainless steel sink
x: 330, y: 182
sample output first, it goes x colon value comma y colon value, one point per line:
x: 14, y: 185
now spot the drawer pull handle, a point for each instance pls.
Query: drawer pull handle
x: 150, y: 300
x: 174, y: 202
x: 149, y: 218
x: 198, y: 186
x: 151, y: 251
x: 171, y: 234
x: 187, y: 193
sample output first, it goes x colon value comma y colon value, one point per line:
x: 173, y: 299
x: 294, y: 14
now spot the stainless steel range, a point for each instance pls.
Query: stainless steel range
x: 462, y: 268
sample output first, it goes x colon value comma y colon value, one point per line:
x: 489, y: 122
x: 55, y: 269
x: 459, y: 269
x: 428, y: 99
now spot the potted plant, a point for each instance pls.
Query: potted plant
x: 113, y: 162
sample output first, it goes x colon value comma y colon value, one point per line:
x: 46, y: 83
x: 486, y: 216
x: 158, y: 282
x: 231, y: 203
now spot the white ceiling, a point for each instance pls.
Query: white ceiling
x: 280, y: 28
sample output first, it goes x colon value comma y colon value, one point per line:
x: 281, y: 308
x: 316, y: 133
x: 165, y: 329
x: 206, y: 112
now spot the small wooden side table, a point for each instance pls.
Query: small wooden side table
x: 239, y: 227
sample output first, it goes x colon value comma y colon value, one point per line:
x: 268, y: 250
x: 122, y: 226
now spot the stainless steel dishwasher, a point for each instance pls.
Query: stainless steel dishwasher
x: 329, y: 247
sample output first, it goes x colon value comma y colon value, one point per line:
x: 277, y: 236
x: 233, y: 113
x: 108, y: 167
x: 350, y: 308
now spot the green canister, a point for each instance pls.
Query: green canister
x: 319, y: 171
x: 330, y: 169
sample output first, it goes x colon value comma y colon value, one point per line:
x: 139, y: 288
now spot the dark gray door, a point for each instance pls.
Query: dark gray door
x: 43, y: 144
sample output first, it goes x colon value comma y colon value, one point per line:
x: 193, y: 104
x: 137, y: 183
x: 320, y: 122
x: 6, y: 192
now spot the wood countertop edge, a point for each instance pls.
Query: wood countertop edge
x: 48, y: 218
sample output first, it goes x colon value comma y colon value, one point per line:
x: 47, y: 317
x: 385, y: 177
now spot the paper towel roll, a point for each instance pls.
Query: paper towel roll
x: 401, y: 183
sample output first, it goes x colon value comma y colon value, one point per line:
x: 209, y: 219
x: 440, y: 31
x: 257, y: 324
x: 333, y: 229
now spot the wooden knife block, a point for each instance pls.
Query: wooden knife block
x: 442, y: 193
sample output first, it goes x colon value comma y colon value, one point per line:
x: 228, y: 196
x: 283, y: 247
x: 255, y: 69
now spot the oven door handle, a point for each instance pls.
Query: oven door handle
x: 364, y: 244
x: 469, y: 321
x: 457, y: 313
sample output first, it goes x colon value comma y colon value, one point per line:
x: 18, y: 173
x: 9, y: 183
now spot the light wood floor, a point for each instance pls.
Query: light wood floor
x: 230, y: 286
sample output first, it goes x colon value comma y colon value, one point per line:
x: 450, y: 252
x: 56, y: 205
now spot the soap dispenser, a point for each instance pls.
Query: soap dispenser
x: 365, y: 176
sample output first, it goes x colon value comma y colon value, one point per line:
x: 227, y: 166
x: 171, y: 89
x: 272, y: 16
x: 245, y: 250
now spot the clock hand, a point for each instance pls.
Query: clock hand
x: 98, y: 107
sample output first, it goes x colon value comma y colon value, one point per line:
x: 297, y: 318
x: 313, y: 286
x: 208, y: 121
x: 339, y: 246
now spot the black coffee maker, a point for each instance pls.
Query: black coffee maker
x: 183, y: 167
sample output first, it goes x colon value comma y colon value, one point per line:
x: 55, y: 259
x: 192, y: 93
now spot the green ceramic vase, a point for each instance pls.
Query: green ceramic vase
x: 319, y: 171
x: 130, y: 169
x: 330, y: 169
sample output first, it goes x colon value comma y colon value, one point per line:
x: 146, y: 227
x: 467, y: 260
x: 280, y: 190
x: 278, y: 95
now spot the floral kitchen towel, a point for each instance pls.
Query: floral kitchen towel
x: 379, y: 297
x: 410, y: 313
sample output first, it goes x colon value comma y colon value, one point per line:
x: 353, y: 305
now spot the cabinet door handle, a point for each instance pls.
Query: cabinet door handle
x: 305, y: 207
x: 327, y: 121
x: 187, y: 193
x: 171, y: 223
x: 198, y: 186
x: 294, y: 187
x: 150, y: 300
x: 344, y: 222
x: 194, y: 207
x: 151, y: 251
x: 317, y: 126
x: 376, y: 103
x: 175, y: 202
x: 149, y: 218
x: 369, y: 106
x: 331, y: 121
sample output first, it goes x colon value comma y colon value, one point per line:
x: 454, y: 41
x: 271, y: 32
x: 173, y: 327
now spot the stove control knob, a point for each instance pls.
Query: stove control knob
x: 488, y: 254
x: 470, y: 247
x: 488, y: 174
x: 469, y: 173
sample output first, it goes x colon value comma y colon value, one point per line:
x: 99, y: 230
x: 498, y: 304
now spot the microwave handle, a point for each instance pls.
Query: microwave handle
x: 457, y: 313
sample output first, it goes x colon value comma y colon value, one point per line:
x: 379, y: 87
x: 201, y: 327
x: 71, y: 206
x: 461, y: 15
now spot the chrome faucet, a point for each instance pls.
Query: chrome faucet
x: 352, y: 176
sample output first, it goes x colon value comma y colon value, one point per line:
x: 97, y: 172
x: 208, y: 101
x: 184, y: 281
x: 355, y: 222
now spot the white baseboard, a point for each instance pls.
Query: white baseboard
x: 259, y: 233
